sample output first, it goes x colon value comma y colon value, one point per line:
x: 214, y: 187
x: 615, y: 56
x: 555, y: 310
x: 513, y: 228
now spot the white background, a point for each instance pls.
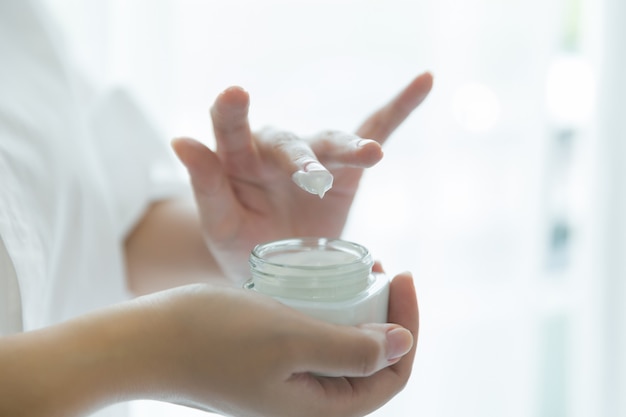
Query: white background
x: 502, y: 193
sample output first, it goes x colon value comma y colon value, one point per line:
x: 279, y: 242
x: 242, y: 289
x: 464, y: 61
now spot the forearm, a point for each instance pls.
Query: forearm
x: 210, y: 347
x: 167, y: 249
x: 78, y: 366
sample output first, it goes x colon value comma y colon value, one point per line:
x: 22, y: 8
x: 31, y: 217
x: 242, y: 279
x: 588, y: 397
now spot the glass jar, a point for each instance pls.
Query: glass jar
x: 329, y: 279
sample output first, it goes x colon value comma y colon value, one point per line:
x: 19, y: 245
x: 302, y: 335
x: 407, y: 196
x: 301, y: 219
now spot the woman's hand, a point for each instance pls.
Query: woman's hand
x: 214, y: 348
x: 244, y: 190
x: 242, y: 354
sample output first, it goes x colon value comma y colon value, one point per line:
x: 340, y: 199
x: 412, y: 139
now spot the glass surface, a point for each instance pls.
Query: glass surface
x: 310, y: 268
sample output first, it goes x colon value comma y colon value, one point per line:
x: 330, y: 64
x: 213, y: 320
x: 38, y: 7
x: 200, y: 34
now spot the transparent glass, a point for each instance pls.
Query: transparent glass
x: 330, y: 279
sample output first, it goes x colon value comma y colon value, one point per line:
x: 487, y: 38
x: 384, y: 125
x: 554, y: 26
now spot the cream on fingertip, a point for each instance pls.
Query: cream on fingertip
x: 314, y: 179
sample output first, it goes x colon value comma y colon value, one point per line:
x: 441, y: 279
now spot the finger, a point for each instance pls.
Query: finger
x: 354, y: 351
x: 372, y: 392
x: 229, y: 115
x: 216, y: 201
x: 337, y: 149
x: 378, y: 267
x: 382, y: 123
x: 403, y: 310
x: 363, y: 394
x: 296, y: 158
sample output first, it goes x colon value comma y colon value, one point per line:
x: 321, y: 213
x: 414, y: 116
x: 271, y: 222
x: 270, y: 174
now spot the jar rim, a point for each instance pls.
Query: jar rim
x: 260, y: 251
x: 316, y: 275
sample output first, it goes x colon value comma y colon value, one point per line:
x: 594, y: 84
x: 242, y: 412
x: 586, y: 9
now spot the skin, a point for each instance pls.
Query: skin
x: 179, y: 346
x: 244, y: 192
x: 201, y: 340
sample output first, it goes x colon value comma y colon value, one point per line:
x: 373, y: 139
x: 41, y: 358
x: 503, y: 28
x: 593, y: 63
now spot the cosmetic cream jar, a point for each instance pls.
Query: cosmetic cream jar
x: 329, y: 279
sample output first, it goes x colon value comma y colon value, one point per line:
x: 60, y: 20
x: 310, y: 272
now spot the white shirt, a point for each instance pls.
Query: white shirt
x: 77, y: 170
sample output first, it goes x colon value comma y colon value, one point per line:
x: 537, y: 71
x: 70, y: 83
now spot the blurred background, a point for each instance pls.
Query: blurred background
x: 504, y: 193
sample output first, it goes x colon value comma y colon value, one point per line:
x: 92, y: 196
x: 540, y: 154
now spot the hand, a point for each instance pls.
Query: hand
x: 244, y: 190
x: 215, y: 348
x: 242, y: 354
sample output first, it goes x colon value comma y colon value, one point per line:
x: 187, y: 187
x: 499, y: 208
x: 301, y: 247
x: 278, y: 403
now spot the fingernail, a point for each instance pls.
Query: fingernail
x: 235, y: 88
x: 399, y: 343
x: 313, y: 166
x: 361, y: 143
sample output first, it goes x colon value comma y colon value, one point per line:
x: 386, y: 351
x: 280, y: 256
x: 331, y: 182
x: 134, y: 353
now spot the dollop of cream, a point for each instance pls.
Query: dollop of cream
x: 315, y: 181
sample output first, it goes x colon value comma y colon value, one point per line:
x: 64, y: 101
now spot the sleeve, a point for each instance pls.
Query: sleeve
x: 139, y: 166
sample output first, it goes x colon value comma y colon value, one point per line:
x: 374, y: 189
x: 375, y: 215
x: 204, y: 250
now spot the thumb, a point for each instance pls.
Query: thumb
x: 214, y: 196
x: 359, y: 351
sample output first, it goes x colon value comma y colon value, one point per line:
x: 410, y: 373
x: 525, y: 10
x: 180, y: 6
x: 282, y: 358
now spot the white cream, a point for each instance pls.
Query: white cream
x: 315, y: 181
x: 329, y: 279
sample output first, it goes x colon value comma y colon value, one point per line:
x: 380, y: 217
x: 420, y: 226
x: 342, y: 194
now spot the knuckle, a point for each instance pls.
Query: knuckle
x: 327, y: 134
x: 276, y: 138
x: 287, y: 143
x: 282, y: 139
x: 369, y: 356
